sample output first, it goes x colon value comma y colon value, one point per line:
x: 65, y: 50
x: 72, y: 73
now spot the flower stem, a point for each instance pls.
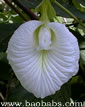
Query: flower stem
x: 68, y: 12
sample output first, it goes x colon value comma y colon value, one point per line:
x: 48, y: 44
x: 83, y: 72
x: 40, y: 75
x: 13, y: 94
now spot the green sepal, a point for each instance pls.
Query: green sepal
x: 46, y: 10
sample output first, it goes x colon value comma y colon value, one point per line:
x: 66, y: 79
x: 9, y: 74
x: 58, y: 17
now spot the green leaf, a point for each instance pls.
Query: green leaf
x: 71, y: 8
x: 6, y: 31
x: 78, y: 5
x: 4, y: 67
x: 81, y: 1
x: 3, y: 57
x: 78, y: 94
x: 82, y: 47
x: 30, y: 3
x: 16, y: 19
x: 18, y: 93
x: 1, y: 8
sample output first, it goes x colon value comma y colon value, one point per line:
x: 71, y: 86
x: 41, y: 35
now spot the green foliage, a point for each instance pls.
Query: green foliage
x: 78, y: 88
x: 30, y: 3
x: 1, y: 8
x: 6, y: 31
x: 78, y: 6
x: 4, y: 67
x: 81, y: 1
x: 71, y: 8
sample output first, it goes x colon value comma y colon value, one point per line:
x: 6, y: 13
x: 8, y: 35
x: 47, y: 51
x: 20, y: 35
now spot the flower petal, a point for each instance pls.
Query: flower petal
x: 24, y: 58
x: 43, y: 72
x: 66, y: 53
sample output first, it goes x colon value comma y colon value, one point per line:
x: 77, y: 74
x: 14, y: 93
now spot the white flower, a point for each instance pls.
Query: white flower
x: 43, y: 57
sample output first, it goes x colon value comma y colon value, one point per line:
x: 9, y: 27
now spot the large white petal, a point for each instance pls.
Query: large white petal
x: 43, y: 72
x: 24, y: 58
x: 65, y: 54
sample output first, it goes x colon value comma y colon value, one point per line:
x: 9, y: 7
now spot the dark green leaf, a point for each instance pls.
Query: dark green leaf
x: 4, y: 71
x: 19, y: 94
x: 4, y: 67
x: 81, y: 1
x: 1, y: 8
x: 6, y: 31
x: 30, y: 3
x: 78, y: 5
x: 71, y: 8
x: 16, y: 19
x: 82, y: 47
x: 3, y: 57
x: 78, y: 88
